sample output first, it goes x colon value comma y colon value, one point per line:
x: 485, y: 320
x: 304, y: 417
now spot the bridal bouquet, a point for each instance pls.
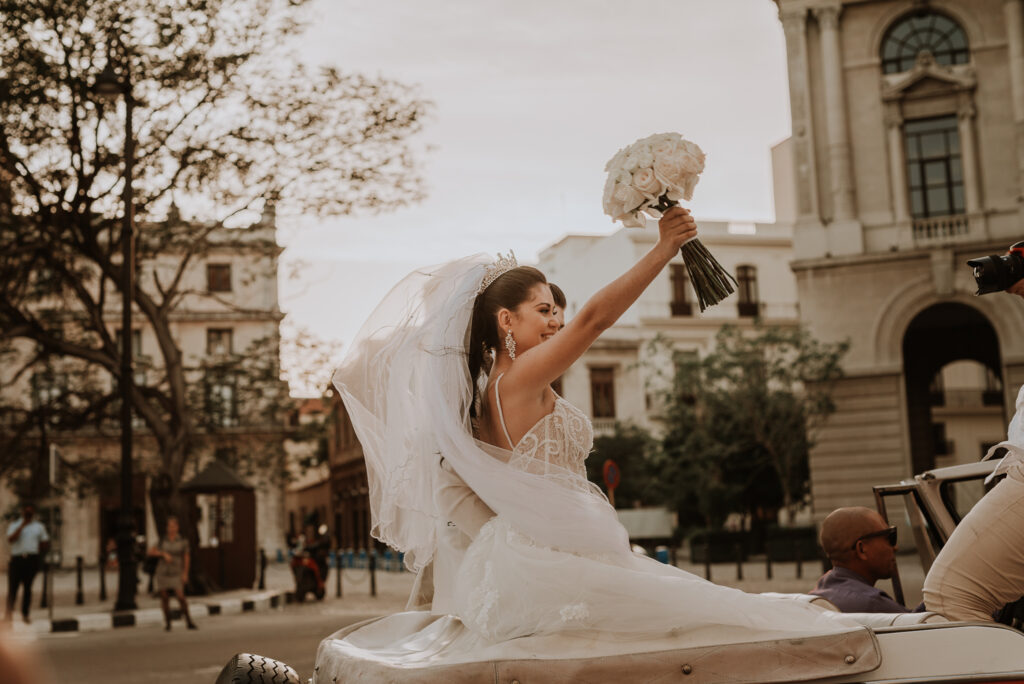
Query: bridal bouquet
x: 649, y: 177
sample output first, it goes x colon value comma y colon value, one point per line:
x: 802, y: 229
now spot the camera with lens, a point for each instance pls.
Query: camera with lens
x: 997, y: 273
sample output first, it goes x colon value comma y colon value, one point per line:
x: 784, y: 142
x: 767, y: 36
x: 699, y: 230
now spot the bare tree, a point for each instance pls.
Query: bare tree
x: 226, y: 119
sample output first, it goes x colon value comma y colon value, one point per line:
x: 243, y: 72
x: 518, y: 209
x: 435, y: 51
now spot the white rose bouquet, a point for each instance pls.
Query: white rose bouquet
x: 649, y: 177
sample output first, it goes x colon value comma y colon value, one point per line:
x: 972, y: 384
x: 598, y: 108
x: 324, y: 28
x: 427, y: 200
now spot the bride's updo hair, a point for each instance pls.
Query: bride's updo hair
x: 508, y: 291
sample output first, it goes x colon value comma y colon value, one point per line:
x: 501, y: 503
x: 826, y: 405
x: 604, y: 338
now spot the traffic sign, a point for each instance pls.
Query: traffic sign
x: 612, y: 474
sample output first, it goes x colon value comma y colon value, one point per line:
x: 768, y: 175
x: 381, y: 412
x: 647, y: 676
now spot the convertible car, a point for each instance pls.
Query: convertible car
x: 889, y: 648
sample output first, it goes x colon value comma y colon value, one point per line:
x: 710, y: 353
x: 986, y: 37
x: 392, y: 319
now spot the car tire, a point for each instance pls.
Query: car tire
x: 248, y: 668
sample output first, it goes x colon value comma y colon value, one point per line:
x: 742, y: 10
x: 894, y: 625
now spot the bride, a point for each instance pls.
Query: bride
x: 476, y: 466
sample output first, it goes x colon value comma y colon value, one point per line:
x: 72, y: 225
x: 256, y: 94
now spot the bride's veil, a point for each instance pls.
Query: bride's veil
x: 405, y: 383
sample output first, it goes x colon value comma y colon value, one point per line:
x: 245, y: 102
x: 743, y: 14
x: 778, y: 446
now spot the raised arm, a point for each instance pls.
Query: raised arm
x: 13, y: 536
x: 537, y: 368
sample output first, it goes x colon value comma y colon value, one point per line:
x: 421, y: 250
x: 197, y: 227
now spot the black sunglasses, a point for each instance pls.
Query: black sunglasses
x: 889, y: 533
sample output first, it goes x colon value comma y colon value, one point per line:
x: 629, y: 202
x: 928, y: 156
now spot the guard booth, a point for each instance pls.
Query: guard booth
x: 223, y: 507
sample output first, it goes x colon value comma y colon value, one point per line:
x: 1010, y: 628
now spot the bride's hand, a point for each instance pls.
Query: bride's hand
x: 675, y: 227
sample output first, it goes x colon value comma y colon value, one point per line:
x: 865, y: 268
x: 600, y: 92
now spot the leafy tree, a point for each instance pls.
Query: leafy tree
x: 227, y: 124
x: 741, y: 421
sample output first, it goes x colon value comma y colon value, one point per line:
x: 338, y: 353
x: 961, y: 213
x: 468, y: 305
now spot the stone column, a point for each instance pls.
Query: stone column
x: 835, y: 108
x: 794, y: 24
x: 897, y: 164
x: 1013, y: 11
x: 968, y: 156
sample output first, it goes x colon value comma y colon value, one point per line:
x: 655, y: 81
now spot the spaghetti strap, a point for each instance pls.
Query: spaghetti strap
x: 501, y: 417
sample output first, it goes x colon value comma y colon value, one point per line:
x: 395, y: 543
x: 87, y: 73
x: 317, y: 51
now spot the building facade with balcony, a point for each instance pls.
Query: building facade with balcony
x: 349, y: 488
x: 617, y: 378
x: 226, y: 326
x: 906, y: 159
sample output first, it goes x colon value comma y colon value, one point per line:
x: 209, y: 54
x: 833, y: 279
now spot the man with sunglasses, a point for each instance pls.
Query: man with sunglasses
x: 862, y: 549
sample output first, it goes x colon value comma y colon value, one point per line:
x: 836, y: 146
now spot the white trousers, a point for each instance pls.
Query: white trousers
x: 981, y: 567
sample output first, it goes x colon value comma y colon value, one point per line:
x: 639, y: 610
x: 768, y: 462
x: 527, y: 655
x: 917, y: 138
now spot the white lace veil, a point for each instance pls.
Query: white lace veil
x: 405, y: 383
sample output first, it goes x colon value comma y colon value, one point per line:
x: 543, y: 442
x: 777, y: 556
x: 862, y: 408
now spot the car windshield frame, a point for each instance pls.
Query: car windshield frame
x: 944, y: 493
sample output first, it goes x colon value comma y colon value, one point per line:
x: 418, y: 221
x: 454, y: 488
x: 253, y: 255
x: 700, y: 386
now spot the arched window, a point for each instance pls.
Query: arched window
x: 927, y: 30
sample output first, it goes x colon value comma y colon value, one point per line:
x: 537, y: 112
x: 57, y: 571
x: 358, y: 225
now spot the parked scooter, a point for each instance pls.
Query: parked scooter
x: 307, y: 572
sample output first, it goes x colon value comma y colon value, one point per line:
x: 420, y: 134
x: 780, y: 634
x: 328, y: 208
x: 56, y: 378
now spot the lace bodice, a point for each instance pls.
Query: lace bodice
x: 560, y: 440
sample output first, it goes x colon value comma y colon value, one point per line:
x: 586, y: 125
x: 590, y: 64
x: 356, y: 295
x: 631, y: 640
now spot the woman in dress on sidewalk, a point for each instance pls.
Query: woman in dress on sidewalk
x: 172, y: 571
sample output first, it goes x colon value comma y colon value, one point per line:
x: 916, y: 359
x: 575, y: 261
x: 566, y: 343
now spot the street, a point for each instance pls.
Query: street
x: 149, y: 654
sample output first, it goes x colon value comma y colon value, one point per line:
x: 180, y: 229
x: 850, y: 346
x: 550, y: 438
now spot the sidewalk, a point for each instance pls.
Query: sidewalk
x: 93, y: 614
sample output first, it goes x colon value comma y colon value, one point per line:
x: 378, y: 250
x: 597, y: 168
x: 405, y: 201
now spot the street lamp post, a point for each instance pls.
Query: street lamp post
x: 111, y: 85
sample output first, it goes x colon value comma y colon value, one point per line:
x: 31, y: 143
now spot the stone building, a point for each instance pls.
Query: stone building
x: 616, y: 378
x: 906, y: 159
x: 349, y: 489
x: 228, y: 310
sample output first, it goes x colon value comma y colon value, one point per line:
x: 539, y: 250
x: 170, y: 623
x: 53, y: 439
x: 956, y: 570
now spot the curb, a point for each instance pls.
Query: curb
x: 93, y: 622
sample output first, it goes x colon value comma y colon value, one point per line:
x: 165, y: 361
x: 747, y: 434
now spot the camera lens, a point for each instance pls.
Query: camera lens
x: 996, y: 273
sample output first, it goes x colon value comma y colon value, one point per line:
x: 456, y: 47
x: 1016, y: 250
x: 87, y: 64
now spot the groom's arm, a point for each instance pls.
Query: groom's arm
x: 459, y: 504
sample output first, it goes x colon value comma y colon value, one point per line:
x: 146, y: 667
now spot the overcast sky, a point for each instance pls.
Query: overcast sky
x: 531, y: 98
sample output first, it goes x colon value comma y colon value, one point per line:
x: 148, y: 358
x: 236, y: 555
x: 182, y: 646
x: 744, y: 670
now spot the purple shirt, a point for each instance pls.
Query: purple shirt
x: 851, y: 593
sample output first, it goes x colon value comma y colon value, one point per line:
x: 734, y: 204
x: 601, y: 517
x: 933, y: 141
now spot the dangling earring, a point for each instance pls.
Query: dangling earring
x: 510, y: 345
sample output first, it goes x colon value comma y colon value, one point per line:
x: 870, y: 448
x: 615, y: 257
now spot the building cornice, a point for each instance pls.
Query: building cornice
x: 659, y: 323
x: 981, y: 247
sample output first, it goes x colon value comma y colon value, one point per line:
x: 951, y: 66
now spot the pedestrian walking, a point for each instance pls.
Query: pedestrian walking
x: 28, y: 539
x: 172, y: 571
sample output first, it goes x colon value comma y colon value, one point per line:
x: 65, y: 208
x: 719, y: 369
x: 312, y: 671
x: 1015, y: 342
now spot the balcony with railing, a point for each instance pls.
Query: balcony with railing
x: 748, y: 309
x: 966, y: 398
x: 681, y: 308
x: 604, y: 426
x: 940, y: 228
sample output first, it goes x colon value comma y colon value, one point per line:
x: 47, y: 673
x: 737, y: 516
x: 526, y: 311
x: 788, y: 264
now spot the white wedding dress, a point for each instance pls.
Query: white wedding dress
x: 552, y: 572
x: 510, y: 586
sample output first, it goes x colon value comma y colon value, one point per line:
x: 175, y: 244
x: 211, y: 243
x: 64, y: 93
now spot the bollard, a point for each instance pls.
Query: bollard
x: 46, y: 584
x: 707, y: 560
x: 798, y: 552
x: 337, y: 576
x: 263, y: 569
x: 768, y: 561
x: 79, y: 596
x: 373, y: 572
x: 739, y: 561
x: 103, y: 580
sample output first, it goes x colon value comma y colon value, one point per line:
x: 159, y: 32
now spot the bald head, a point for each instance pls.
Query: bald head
x: 844, y: 526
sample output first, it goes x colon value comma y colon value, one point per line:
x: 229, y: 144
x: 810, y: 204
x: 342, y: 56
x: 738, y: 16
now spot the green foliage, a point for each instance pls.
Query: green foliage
x: 741, y: 421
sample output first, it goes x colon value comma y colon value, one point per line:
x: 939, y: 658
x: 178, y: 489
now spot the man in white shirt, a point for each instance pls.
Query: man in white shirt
x: 28, y: 539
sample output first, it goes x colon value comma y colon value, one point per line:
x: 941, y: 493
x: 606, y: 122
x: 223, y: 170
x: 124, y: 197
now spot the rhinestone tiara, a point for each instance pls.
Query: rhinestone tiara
x: 502, y: 265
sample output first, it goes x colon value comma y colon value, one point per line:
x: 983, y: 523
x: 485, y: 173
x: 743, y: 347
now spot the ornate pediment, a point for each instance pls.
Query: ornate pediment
x: 927, y: 78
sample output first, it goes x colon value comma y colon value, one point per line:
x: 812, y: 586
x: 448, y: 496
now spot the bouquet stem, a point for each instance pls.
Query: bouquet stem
x: 711, y: 282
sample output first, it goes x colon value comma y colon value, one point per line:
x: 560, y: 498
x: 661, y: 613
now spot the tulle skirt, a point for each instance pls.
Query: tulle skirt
x: 508, y: 587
